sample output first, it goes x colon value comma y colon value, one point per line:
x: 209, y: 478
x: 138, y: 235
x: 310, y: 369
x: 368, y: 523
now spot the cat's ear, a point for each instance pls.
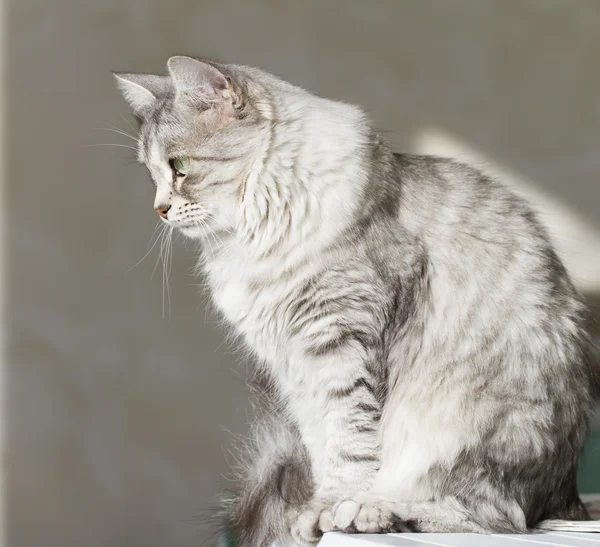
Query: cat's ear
x: 141, y: 90
x: 197, y: 81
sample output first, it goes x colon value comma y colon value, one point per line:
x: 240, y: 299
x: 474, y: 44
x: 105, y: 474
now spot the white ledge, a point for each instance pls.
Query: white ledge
x: 567, y: 539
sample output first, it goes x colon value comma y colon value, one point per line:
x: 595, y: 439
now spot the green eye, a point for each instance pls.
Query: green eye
x: 180, y: 165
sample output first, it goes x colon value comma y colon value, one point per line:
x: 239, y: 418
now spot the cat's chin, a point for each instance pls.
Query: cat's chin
x: 193, y: 232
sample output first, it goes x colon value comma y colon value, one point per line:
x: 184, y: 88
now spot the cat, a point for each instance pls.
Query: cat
x: 420, y: 347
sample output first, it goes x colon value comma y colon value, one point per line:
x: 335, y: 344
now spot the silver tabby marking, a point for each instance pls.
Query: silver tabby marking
x: 420, y: 347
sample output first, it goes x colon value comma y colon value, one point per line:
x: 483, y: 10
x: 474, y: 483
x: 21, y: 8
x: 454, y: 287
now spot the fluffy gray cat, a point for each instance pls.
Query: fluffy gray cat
x: 420, y: 347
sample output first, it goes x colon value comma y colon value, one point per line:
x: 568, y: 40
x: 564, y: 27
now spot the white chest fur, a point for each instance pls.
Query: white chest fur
x: 256, y: 314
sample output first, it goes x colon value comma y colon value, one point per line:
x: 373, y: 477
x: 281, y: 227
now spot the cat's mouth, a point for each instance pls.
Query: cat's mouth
x: 190, y: 228
x: 183, y: 224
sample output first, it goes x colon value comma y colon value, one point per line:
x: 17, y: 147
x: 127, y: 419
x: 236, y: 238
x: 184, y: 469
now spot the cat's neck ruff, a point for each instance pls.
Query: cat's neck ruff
x: 304, y: 187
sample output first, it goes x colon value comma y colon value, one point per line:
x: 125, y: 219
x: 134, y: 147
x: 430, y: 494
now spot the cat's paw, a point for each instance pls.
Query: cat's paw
x: 367, y: 515
x: 309, y: 522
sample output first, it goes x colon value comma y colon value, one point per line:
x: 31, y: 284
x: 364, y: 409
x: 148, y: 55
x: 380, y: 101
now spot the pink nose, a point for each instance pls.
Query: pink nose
x: 162, y: 210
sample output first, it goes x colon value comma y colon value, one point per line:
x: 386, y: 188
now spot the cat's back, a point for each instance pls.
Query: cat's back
x: 472, y: 223
x: 490, y: 260
x: 443, y: 197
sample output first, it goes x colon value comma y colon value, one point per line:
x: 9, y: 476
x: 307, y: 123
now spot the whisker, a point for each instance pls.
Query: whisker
x: 135, y: 132
x: 113, y: 144
x: 223, y: 246
x: 129, y: 124
x: 162, y: 243
x: 203, y: 225
x: 167, y: 270
x: 222, y: 227
x: 170, y: 264
x: 215, y: 238
x: 209, y: 233
x: 151, y: 248
x: 163, y: 257
x: 118, y: 131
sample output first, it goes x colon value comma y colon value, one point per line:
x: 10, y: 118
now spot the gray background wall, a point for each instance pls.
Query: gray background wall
x: 116, y: 416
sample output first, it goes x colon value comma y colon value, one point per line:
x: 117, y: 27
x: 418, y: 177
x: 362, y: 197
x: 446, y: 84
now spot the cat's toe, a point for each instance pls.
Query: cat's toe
x: 365, y: 516
x: 305, y: 529
x: 326, y: 520
x: 308, y: 524
x: 344, y: 514
x: 373, y: 519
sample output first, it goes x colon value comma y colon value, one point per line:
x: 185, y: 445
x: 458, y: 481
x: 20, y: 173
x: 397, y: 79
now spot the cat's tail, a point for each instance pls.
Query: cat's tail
x: 274, y: 476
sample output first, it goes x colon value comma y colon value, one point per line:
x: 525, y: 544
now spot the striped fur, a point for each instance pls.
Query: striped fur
x: 420, y: 347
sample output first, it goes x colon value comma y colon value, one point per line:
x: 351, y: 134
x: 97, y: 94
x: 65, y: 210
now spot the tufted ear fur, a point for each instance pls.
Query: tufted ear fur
x: 141, y: 90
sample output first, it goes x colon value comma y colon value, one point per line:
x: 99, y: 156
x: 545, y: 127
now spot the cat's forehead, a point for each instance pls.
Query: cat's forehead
x: 169, y: 129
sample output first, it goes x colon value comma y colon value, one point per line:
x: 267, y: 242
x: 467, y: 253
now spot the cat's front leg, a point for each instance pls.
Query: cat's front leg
x: 338, y: 413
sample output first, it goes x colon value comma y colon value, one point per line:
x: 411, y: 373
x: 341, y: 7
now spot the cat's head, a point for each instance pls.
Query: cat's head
x: 202, y: 128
